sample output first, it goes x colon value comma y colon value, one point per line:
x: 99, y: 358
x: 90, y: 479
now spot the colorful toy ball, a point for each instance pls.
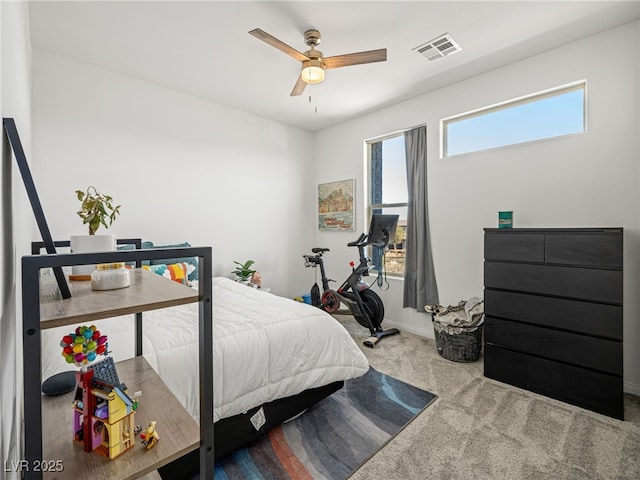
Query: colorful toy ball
x: 84, y: 345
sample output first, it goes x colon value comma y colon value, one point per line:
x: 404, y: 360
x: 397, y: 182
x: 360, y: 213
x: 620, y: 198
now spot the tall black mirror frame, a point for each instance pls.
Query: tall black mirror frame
x: 11, y: 134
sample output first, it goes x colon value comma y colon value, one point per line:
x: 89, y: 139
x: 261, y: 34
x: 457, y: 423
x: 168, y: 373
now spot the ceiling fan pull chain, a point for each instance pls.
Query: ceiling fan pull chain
x: 315, y: 107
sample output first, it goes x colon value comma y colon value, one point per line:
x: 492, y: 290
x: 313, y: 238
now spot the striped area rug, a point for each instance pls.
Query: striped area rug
x: 334, y: 437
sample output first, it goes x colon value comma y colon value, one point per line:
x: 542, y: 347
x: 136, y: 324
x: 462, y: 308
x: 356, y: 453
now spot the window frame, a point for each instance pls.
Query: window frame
x: 515, y: 102
x: 371, y: 206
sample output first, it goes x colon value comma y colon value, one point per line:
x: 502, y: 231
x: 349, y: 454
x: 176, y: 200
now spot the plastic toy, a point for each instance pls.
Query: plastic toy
x: 150, y: 436
x: 256, y: 279
x: 84, y: 345
x: 103, y: 412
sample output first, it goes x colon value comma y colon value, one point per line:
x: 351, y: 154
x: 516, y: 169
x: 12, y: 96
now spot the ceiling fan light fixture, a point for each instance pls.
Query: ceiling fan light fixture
x: 313, y: 62
x: 312, y: 71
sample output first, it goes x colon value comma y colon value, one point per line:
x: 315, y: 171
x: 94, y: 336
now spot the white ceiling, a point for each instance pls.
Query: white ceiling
x: 203, y: 48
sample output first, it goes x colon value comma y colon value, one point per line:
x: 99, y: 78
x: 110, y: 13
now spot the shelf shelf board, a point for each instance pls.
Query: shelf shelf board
x: 179, y: 432
x: 148, y: 291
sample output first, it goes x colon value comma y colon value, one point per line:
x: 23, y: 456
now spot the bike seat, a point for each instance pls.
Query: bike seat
x: 319, y: 250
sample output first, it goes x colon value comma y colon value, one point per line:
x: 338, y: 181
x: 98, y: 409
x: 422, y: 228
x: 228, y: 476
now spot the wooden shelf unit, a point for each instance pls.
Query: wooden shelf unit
x: 147, y: 291
x: 43, y: 308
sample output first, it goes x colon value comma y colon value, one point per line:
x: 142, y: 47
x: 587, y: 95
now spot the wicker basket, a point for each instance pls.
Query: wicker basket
x: 464, y: 346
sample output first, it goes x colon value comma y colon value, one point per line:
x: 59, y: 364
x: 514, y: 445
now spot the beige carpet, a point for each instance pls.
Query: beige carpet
x: 482, y: 429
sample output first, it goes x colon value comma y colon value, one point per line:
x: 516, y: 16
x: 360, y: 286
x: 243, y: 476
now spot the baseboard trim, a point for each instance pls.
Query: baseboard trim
x: 403, y: 327
x: 632, y: 388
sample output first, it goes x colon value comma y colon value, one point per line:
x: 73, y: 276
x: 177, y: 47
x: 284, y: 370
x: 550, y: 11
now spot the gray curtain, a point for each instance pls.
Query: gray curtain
x: 420, y: 287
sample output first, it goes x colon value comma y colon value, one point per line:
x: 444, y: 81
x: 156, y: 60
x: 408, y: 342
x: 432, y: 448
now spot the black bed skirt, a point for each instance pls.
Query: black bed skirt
x: 234, y: 432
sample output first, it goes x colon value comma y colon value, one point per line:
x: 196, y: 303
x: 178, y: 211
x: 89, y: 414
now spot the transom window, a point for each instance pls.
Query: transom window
x: 548, y: 114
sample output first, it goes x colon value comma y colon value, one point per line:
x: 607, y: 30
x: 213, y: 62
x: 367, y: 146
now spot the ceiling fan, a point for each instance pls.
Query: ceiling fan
x: 313, y: 62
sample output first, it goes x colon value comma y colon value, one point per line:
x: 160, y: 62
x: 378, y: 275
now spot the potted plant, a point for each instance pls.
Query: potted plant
x: 244, y: 271
x: 96, y: 210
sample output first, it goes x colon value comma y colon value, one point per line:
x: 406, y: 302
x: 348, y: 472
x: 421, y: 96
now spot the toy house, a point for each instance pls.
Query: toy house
x: 103, y: 412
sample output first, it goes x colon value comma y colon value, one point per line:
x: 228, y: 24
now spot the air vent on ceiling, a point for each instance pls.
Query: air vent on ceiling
x: 439, y: 47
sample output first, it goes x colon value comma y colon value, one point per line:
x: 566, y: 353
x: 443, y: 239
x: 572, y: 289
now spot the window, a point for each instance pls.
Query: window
x: 388, y: 194
x: 543, y: 115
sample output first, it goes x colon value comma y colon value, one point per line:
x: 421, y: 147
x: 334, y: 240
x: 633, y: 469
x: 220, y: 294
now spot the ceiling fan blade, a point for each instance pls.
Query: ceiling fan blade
x: 274, y: 42
x: 299, y: 87
x: 358, y: 58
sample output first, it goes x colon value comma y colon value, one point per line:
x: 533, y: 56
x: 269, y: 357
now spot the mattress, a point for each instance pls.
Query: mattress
x: 265, y: 347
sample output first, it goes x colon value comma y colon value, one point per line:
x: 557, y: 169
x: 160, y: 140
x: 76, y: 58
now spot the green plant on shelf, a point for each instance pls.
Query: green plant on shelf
x: 96, y: 209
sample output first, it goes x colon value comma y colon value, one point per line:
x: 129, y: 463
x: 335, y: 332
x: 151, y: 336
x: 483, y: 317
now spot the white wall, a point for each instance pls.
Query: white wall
x: 182, y: 168
x: 247, y: 185
x: 15, y: 70
x: 576, y: 181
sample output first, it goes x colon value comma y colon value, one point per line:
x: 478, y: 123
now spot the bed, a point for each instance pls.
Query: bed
x: 273, y: 357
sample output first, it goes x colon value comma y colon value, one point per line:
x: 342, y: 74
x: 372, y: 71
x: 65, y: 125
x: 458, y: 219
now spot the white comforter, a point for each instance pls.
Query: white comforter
x: 265, y: 347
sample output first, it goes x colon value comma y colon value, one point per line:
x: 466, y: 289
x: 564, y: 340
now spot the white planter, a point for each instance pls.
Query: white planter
x: 89, y: 244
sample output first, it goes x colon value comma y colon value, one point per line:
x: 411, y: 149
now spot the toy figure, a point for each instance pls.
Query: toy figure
x: 150, y: 436
x: 103, y: 411
x: 256, y: 279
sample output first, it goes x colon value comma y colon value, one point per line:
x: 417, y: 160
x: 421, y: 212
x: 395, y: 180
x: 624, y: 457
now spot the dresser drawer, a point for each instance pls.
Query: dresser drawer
x: 578, y: 316
x: 596, y: 250
x: 522, y: 247
x: 593, y: 390
x: 572, y: 282
x: 580, y: 350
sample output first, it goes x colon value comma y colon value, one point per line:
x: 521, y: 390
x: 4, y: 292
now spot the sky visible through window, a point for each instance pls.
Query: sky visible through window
x: 394, y: 171
x: 561, y: 114
x: 394, y: 177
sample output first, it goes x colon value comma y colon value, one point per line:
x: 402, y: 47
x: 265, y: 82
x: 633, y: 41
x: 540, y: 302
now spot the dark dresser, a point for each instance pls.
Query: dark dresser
x: 553, y: 313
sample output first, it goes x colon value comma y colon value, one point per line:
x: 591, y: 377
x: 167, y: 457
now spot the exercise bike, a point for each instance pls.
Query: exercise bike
x: 362, y: 302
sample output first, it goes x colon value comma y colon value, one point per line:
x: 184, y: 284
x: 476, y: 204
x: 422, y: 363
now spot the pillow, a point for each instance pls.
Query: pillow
x: 178, y: 272
x: 132, y: 246
x: 193, y: 261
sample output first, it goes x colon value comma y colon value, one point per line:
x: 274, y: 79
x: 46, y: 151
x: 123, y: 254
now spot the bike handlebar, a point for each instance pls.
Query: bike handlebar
x: 358, y: 241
